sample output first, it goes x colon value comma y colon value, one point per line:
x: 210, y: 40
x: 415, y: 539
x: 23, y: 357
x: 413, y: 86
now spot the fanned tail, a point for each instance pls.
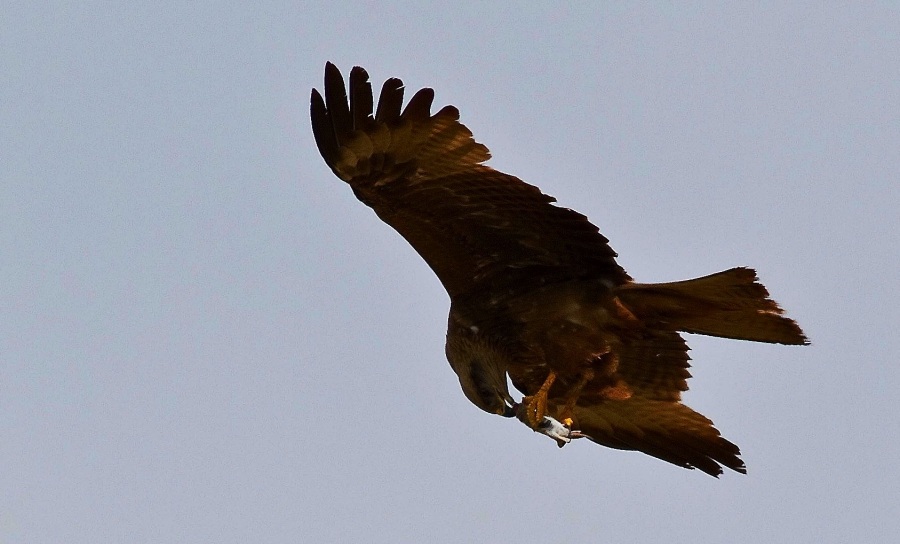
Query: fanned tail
x: 729, y: 304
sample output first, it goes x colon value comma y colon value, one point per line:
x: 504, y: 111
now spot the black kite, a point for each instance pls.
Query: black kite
x: 535, y: 290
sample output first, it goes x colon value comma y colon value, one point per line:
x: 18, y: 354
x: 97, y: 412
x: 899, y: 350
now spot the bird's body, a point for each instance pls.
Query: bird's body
x: 536, y: 293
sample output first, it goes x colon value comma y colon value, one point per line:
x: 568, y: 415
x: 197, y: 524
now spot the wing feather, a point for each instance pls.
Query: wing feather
x: 666, y: 430
x: 390, y: 101
x: 337, y: 103
x: 418, y: 109
x: 655, y: 365
x: 323, y: 128
x: 423, y: 175
x: 361, y: 99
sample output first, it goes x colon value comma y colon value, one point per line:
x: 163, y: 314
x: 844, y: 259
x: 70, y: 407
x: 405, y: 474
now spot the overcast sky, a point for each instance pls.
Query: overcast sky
x: 204, y: 337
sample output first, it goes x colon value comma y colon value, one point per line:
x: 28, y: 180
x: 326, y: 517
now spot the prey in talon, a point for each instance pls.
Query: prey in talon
x: 560, y: 432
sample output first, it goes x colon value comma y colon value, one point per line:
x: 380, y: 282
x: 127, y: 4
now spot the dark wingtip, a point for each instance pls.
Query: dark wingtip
x: 390, y: 101
x: 336, y: 101
x: 419, y: 106
x: 323, y: 131
x: 360, y: 98
x: 448, y: 111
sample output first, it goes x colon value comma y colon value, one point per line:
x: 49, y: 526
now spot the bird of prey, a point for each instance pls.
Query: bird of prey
x: 535, y: 290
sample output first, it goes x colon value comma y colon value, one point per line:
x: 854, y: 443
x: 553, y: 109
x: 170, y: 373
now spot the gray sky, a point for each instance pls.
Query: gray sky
x: 204, y: 337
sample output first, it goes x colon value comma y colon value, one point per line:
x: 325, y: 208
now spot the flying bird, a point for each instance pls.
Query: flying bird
x: 535, y: 291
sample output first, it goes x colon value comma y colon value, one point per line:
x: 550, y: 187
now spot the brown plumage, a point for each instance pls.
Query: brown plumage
x: 535, y: 290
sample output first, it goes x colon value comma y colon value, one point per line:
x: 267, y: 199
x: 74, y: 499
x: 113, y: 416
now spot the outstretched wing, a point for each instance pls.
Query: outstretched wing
x: 667, y: 430
x: 477, y: 228
x: 654, y: 366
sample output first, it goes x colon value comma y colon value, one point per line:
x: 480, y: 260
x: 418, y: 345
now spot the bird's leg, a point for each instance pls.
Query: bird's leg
x: 535, y: 406
x: 572, y: 397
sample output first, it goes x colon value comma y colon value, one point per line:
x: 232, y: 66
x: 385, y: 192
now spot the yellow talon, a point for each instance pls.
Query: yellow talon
x: 568, y: 422
x: 536, y: 405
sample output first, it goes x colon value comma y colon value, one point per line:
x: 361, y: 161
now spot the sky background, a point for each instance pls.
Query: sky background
x: 204, y: 337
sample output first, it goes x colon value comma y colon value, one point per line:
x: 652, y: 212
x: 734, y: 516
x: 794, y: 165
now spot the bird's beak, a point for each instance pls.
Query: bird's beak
x: 510, y: 411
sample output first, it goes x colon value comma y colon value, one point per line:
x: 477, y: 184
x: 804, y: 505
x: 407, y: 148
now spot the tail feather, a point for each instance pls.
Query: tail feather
x: 729, y: 304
